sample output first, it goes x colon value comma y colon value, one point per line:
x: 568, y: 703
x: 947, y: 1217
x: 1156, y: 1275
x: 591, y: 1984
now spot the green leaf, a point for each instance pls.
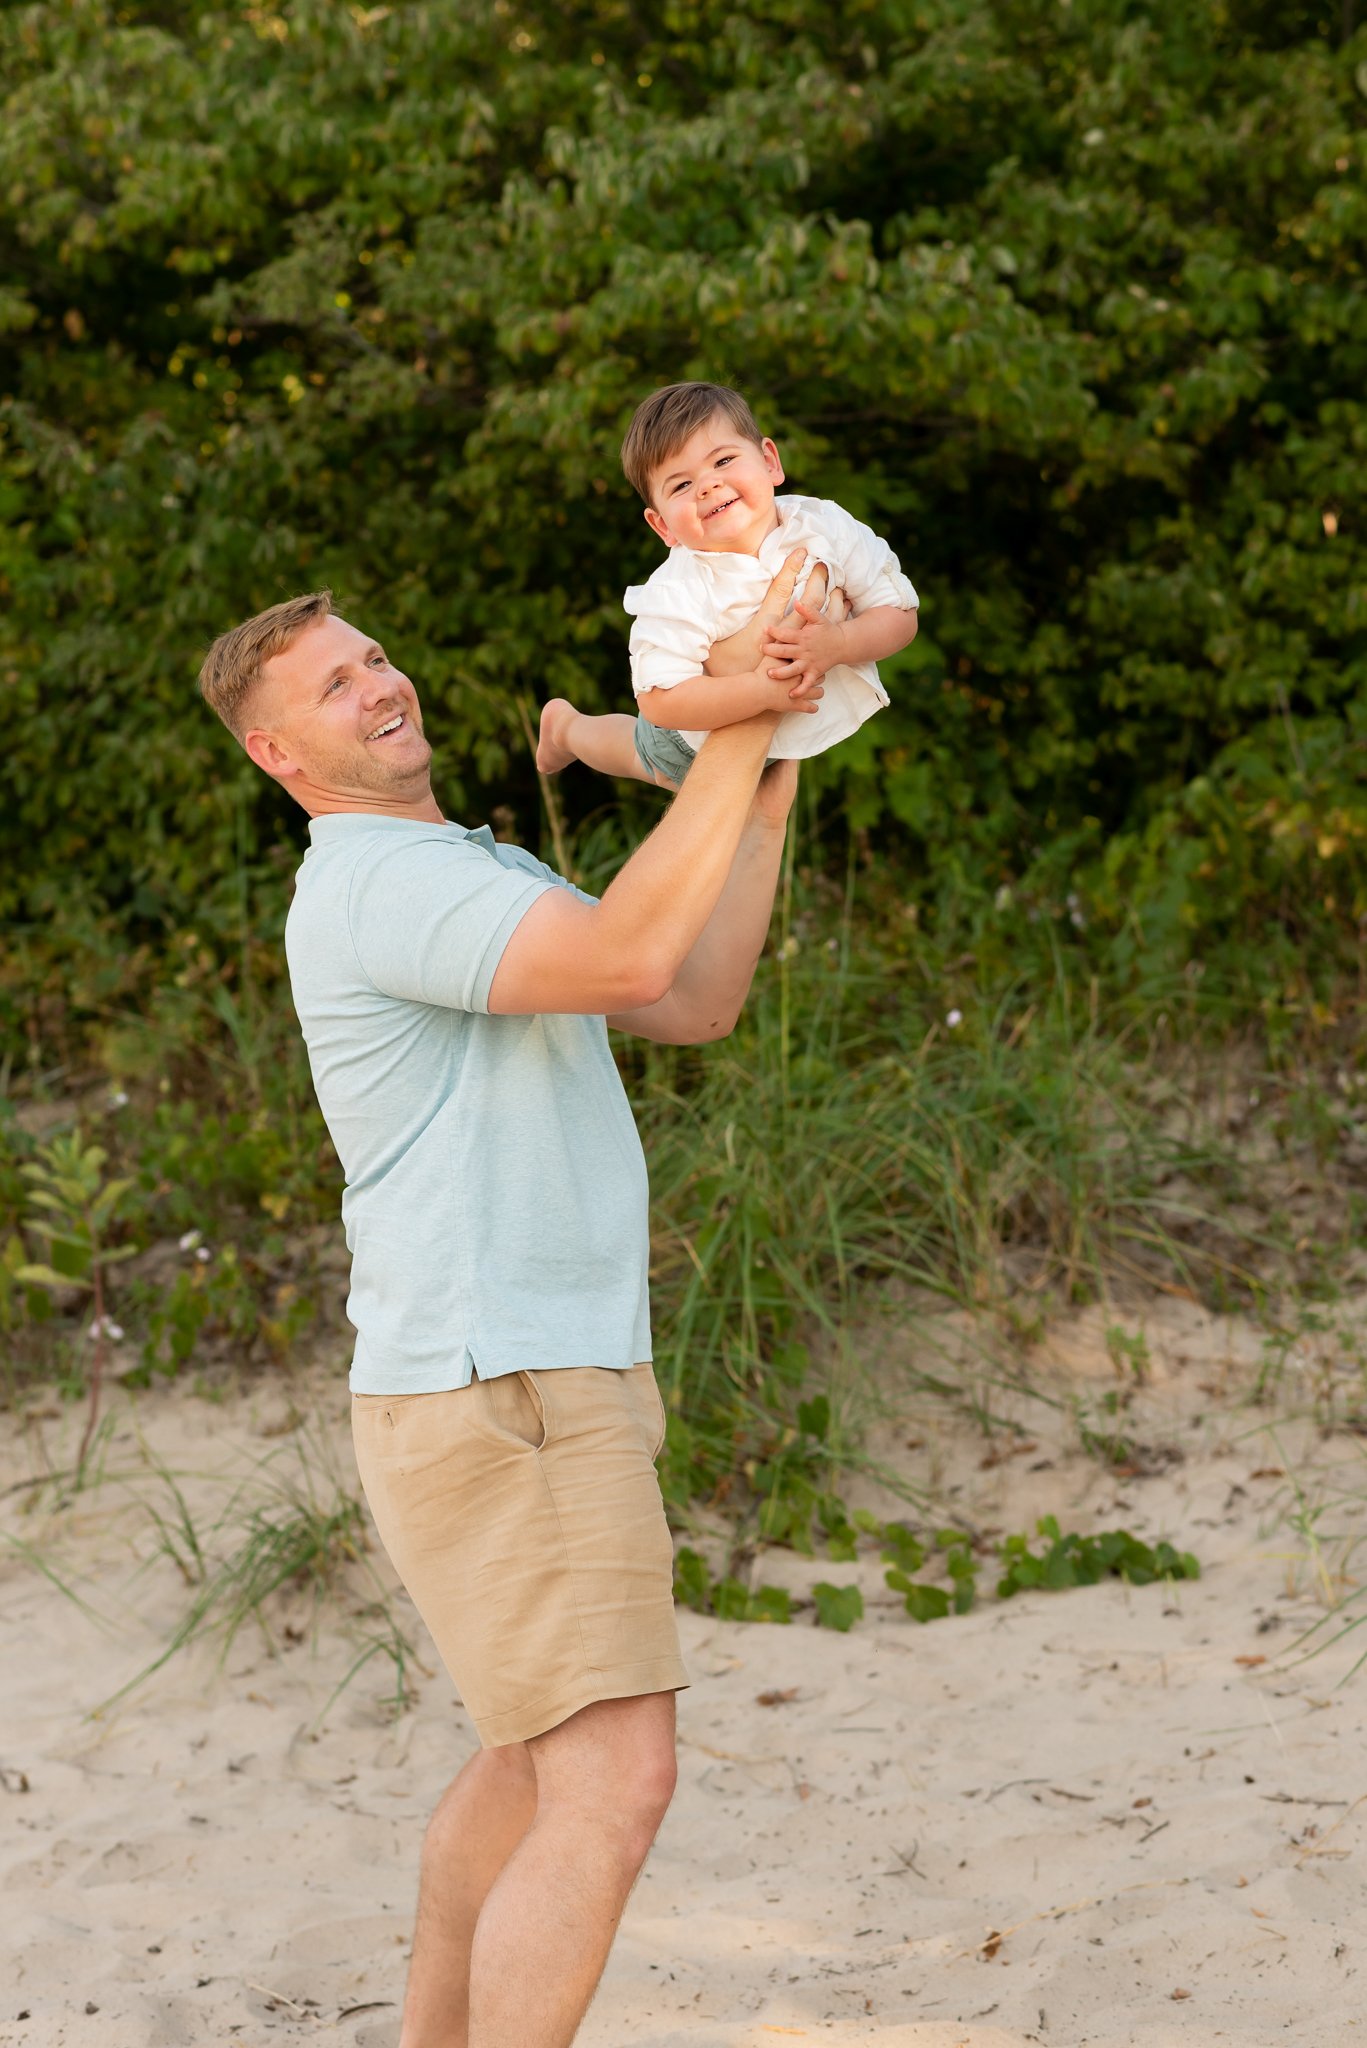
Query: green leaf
x: 838, y: 1607
x: 45, y: 1276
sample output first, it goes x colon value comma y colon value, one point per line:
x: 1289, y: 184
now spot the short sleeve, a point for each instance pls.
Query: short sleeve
x: 673, y: 627
x: 872, y: 572
x: 429, y: 921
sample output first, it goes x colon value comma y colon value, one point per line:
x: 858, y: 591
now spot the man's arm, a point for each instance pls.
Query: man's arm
x: 713, y: 982
x: 625, y: 952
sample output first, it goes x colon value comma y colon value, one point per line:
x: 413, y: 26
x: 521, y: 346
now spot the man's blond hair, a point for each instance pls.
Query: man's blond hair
x: 232, y: 667
x: 665, y: 420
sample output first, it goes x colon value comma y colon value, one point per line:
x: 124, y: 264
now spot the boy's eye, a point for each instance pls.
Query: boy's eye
x: 722, y: 460
x: 682, y: 485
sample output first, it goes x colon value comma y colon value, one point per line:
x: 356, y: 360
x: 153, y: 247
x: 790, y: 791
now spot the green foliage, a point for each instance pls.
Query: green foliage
x: 726, y: 1597
x: 1066, y: 301
x: 1073, y: 1560
x: 838, y: 1607
x: 903, y: 1551
x: 75, y: 1209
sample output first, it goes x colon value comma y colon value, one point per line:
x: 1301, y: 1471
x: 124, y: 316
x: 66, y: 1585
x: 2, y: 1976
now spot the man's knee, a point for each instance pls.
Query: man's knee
x: 616, y: 1759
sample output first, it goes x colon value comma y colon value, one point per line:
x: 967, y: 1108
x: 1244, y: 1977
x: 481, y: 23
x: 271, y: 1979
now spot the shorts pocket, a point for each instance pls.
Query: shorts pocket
x: 655, y: 1417
x: 516, y: 1406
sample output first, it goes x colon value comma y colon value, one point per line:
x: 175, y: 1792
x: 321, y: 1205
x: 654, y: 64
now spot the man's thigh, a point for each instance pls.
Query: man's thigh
x: 523, y: 1515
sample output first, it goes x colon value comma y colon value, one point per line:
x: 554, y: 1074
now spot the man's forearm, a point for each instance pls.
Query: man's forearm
x: 713, y: 982
x: 657, y: 907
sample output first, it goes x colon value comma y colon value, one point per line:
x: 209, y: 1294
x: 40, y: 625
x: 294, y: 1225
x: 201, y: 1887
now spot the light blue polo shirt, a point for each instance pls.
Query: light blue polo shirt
x: 496, y: 1193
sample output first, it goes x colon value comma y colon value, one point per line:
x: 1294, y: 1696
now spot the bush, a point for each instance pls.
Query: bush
x: 365, y: 297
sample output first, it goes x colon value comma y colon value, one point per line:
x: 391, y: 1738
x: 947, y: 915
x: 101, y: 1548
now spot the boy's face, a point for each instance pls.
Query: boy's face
x: 716, y: 493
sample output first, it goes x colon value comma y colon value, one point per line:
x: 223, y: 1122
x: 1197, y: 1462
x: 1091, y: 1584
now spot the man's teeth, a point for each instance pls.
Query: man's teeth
x: 381, y: 730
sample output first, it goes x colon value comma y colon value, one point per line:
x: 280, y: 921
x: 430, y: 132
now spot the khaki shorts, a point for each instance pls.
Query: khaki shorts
x: 524, y: 1517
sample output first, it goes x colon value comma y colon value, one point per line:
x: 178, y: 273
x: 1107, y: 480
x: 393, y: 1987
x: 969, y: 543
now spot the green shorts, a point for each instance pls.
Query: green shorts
x: 663, y: 752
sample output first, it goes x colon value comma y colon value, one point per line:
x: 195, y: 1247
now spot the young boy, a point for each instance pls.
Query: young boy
x: 700, y: 657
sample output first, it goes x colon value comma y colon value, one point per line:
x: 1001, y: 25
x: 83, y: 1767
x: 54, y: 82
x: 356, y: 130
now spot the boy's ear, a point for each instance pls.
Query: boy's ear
x: 657, y: 525
x: 772, y: 462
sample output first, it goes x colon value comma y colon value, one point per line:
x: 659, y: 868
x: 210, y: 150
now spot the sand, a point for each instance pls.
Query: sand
x: 1108, y: 1816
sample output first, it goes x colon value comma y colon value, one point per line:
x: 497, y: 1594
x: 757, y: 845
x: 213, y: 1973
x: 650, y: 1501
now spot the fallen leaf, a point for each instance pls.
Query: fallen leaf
x: 1144, y: 1802
x: 1249, y: 1662
x: 774, y: 1698
x: 1268, y: 1472
x: 990, y: 1947
x: 1181, y: 1994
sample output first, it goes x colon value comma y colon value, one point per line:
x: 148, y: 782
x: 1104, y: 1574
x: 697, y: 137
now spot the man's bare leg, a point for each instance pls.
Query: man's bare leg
x: 603, y: 1781
x: 605, y: 743
x: 481, y: 1818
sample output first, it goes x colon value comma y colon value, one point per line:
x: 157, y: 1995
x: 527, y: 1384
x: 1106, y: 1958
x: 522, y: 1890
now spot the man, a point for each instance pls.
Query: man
x: 452, y: 993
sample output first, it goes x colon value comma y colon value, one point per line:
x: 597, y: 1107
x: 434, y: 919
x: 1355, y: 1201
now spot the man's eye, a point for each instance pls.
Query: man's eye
x: 380, y: 658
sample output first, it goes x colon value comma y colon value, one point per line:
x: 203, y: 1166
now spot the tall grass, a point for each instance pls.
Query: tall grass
x: 854, y: 1133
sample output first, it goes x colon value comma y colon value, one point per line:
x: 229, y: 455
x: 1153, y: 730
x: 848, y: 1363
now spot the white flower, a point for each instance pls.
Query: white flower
x: 106, y: 1328
x: 204, y: 1255
x: 1002, y: 899
x: 954, y: 1019
x: 191, y: 1238
x: 117, y: 1098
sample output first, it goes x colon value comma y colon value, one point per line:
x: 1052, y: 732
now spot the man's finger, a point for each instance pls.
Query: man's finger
x: 780, y: 591
x: 815, y: 593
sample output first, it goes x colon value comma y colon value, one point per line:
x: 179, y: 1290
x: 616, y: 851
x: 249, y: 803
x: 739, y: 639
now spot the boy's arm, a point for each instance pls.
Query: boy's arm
x: 706, y: 703
x: 804, y: 645
x: 733, y: 684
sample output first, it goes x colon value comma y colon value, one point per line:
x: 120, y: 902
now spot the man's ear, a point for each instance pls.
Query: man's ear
x: 266, y: 751
x: 772, y: 463
x: 657, y: 525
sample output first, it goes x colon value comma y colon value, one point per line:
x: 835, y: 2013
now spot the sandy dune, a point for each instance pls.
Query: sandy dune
x: 1067, y: 1819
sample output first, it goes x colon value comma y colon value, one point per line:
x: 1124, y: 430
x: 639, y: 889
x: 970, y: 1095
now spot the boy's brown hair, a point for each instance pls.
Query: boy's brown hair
x: 664, y: 421
x: 232, y: 667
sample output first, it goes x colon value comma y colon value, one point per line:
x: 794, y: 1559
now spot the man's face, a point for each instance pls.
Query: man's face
x: 333, y: 718
x: 716, y: 493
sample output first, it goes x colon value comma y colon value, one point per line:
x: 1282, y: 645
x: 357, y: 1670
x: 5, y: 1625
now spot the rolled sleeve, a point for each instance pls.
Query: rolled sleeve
x: 872, y: 573
x: 673, y: 627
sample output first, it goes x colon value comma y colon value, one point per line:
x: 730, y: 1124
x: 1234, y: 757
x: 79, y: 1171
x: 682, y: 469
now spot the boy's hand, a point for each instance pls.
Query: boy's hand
x: 803, y: 646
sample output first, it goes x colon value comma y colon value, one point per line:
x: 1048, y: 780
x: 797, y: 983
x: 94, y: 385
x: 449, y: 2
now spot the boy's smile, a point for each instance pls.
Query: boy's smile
x: 715, y: 494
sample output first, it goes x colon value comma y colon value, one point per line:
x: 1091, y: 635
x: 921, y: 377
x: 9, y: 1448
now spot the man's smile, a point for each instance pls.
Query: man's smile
x: 390, y: 725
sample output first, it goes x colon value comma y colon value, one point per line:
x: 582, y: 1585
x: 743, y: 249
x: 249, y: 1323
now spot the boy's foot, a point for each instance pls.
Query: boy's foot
x: 552, y: 752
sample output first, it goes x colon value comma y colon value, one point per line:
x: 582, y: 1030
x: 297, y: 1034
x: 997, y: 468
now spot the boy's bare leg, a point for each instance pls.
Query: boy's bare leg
x: 606, y: 743
x: 603, y: 1781
x: 481, y: 1818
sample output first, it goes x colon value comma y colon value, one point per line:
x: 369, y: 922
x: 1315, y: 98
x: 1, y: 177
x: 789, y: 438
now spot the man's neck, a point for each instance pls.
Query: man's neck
x: 327, y: 803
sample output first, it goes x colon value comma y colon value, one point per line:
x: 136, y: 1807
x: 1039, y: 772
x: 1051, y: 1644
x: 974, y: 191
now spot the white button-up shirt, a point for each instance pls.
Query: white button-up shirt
x: 694, y: 599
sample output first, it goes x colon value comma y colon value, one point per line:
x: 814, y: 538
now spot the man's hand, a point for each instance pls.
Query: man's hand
x: 802, y: 647
x: 743, y: 651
